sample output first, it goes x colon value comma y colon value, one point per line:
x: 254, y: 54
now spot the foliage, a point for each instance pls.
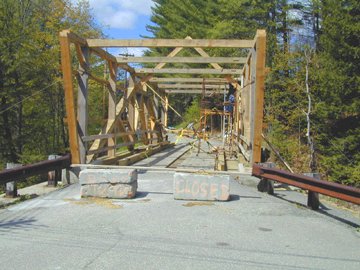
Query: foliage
x: 31, y: 97
x: 192, y: 113
x: 329, y: 31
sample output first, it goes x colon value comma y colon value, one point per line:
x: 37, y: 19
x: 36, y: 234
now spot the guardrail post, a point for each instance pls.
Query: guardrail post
x: 11, y: 189
x: 313, y: 198
x: 264, y: 184
x: 54, y: 176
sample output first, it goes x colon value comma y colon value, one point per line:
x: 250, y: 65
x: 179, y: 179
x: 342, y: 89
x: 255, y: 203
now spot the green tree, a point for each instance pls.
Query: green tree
x: 338, y: 77
x: 31, y: 96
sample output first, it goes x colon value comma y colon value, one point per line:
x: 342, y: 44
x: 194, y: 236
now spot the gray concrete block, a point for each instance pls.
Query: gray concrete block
x: 204, y: 187
x: 107, y: 190
x: 113, y: 176
x: 108, y: 183
x: 70, y: 176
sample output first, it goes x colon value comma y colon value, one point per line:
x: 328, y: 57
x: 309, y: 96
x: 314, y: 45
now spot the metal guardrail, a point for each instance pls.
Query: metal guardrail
x: 335, y: 190
x: 20, y: 173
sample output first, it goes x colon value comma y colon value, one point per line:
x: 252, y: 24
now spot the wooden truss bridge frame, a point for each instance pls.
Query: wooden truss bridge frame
x: 145, y: 101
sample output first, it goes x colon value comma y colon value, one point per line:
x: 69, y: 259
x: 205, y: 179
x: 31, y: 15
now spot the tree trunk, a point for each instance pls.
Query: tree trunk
x: 7, y: 135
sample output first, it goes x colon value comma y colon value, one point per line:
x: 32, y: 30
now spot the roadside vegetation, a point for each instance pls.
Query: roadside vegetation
x: 312, y: 87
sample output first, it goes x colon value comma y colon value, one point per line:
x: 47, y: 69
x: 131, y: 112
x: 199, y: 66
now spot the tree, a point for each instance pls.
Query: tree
x: 31, y: 96
x: 338, y: 90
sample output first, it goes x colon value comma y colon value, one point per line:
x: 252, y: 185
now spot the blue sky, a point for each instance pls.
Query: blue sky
x: 123, y: 19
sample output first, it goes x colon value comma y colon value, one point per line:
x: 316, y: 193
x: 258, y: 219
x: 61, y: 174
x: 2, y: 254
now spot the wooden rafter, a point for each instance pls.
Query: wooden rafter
x: 157, y: 43
x: 187, y: 71
x: 206, y: 60
x: 189, y: 80
x: 193, y: 86
x: 192, y: 91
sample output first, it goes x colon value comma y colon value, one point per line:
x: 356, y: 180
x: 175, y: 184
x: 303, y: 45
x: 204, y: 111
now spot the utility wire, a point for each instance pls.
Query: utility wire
x: 28, y: 97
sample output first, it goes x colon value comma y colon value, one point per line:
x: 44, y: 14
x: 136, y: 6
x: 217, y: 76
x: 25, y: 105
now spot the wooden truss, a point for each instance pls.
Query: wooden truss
x: 144, y: 105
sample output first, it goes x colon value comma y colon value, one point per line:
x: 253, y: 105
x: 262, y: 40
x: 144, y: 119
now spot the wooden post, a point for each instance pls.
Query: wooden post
x: 131, y: 107
x: 266, y: 185
x: 54, y: 176
x: 82, y: 108
x: 152, y: 119
x: 252, y: 100
x: 69, y: 96
x: 166, y: 110
x: 313, y: 198
x: 11, y: 189
x: 259, y: 91
x: 143, y: 128
x: 112, y: 105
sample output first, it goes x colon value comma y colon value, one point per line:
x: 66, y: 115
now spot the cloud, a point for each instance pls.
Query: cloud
x: 121, y: 20
x: 120, y: 14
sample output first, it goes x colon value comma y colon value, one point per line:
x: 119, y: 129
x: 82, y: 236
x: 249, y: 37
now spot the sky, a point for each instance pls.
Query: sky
x: 123, y: 19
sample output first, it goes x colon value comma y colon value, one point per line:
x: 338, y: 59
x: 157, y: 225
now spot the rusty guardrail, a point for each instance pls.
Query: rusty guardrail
x: 20, y: 173
x: 335, y: 190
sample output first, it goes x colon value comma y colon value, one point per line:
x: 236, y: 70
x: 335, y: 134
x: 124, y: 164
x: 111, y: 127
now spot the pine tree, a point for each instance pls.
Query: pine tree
x: 338, y: 90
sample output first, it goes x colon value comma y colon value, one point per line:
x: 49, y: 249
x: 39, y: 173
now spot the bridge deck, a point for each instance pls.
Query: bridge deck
x: 252, y: 231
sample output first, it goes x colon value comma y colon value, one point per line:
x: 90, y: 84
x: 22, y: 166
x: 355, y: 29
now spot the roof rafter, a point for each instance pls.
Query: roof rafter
x: 157, y: 43
x: 188, y: 71
x: 206, y: 60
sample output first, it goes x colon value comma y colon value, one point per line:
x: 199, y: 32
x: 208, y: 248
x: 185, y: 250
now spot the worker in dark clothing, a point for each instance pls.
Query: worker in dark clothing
x: 230, y: 99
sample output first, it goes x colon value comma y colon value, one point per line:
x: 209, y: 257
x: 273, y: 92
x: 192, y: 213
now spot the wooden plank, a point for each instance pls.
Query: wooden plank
x: 69, y: 96
x: 221, y: 161
x: 259, y: 99
x: 170, y: 55
x: 186, y: 43
x: 208, y: 60
x: 189, y: 80
x: 92, y: 76
x: 141, y: 109
x: 155, y: 126
x: 204, y: 54
x: 109, y: 148
x: 104, y: 54
x: 188, y: 71
x: 166, y: 110
x: 106, y: 136
x: 74, y: 38
x: 191, y: 86
x: 112, y: 105
x: 193, y: 91
x: 82, y: 101
x: 153, y: 149
x: 150, y: 121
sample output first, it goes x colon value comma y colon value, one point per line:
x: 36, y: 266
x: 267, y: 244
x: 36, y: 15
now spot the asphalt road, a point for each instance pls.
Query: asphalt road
x: 252, y: 231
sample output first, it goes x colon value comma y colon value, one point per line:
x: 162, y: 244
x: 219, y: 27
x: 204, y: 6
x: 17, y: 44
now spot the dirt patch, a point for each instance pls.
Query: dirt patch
x: 98, y: 201
x: 191, y: 204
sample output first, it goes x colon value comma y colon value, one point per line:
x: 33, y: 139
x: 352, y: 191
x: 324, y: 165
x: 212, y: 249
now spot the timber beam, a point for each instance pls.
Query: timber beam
x: 185, y: 43
x: 205, y: 60
x: 188, y: 71
x: 193, y: 91
x: 191, y: 86
x: 189, y: 80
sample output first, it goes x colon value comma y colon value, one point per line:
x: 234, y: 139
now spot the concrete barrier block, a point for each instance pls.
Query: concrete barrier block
x: 189, y: 186
x: 114, y: 176
x: 108, y: 183
x: 117, y: 191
